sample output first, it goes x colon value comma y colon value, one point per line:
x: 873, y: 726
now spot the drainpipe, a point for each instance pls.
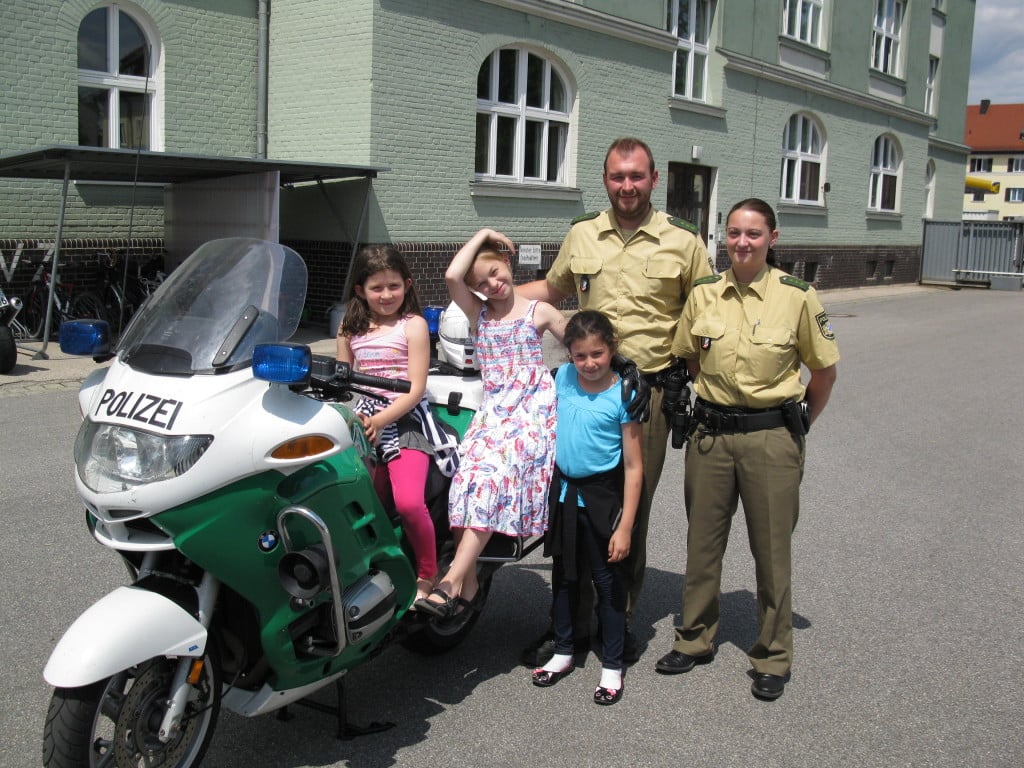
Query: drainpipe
x: 263, y: 16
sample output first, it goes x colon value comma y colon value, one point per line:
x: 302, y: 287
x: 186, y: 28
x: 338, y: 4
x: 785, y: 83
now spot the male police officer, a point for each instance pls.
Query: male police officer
x: 636, y: 265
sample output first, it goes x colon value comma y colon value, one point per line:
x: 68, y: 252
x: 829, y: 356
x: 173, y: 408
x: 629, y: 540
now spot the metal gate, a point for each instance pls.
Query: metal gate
x: 973, y: 253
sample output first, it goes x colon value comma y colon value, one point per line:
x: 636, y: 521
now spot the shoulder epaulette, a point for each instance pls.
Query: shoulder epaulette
x: 794, y: 282
x: 586, y: 217
x: 706, y: 280
x: 675, y: 221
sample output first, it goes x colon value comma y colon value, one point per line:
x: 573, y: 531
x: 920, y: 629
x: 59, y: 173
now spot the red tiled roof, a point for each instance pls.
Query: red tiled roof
x: 1000, y: 129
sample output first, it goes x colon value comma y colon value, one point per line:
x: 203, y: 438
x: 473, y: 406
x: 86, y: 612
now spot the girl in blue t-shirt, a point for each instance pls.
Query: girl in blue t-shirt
x: 594, y: 497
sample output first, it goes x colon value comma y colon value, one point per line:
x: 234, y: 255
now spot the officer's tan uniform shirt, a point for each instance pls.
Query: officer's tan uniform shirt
x: 640, y: 284
x: 752, y: 339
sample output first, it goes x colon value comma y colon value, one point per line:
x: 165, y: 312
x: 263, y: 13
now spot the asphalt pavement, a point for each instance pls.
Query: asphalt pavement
x: 908, y: 588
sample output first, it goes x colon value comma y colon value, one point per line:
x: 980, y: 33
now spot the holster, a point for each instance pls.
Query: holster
x: 797, y: 417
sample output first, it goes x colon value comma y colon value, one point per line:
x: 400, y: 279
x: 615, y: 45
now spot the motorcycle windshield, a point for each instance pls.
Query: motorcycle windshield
x: 209, y: 314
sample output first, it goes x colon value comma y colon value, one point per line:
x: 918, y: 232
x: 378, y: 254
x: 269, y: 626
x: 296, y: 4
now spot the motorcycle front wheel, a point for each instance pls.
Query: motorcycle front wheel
x: 114, y: 723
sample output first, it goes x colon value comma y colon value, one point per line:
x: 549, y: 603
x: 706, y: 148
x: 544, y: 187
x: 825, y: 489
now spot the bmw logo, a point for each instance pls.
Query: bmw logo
x: 268, y: 541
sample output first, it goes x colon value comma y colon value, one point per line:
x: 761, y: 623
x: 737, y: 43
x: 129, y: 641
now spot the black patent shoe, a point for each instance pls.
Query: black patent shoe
x: 542, y: 678
x: 676, y: 662
x: 768, y: 687
x: 608, y: 696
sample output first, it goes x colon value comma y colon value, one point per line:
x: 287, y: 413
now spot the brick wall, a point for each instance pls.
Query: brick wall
x: 328, y: 262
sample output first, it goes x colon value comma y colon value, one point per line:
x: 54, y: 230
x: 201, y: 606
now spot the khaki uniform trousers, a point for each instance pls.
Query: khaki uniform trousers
x: 763, y: 469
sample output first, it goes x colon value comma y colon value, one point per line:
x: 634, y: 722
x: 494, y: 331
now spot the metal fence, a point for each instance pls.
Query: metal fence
x: 972, y: 252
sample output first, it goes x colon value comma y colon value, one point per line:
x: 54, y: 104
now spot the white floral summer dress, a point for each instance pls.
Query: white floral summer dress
x: 507, y: 456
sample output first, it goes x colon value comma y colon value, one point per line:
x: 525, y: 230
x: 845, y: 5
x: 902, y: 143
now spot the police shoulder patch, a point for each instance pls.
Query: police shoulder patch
x: 586, y: 217
x: 675, y: 221
x: 824, y: 325
x: 795, y: 282
x: 706, y: 280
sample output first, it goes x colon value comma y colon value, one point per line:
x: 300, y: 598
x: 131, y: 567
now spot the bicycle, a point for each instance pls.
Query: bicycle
x: 67, y: 304
x: 122, y: 299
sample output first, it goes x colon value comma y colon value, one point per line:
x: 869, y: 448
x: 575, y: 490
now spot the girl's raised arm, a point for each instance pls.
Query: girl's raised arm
x: 455, y: 276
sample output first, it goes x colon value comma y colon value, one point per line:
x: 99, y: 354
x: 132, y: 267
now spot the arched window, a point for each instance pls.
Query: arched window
x: 929, y: 190
x: 886, y: 161
x: 802, y: 160
x: 116, y: 88
x: 522, y: 118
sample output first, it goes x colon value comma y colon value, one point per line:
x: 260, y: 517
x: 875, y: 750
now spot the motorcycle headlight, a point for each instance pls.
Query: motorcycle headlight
x: 111, y: 457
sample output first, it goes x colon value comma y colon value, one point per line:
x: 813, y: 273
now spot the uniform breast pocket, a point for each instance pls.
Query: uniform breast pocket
x: 710, y: 337
x: 771, y: 352
x: 662, y: 269
x: 585, y: 269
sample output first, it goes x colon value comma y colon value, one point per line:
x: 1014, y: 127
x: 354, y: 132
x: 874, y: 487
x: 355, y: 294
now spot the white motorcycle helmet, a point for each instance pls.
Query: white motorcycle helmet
x: 456, y: 343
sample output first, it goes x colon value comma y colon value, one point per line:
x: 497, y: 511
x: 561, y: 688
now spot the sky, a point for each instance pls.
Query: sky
x: 997, y: 53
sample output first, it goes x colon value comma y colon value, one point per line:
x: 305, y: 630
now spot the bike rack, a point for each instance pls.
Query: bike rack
x: 341, y: 624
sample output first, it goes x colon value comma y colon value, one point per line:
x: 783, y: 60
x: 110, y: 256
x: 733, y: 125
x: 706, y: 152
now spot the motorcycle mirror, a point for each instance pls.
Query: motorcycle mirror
x: 282, y: 363
x: 85, y: 337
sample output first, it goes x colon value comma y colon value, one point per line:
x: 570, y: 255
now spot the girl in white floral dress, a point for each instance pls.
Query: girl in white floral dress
x: 507, y: 455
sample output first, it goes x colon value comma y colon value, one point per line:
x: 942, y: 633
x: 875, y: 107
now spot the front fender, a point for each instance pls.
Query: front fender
x: 122, y: 629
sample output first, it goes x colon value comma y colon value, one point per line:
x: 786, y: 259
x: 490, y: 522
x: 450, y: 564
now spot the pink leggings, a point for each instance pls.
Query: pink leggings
x: 408, y: 478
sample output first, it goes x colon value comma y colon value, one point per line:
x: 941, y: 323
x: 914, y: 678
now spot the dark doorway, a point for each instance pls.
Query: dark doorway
x: 689, y: 192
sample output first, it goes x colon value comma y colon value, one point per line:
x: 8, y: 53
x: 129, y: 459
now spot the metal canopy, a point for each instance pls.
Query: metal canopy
x: 129, y: 165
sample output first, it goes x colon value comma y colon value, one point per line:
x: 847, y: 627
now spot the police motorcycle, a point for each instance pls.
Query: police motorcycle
x: 9, y: 309
x: 223, y: 466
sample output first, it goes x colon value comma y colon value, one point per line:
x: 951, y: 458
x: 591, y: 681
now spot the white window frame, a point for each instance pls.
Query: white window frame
x: 931, y: 94
x: 1015, y: 195
x: 115, y: 83
x: 1015, y: 165
x: 886, y: 34
x: 803, y: 146
x: 690, y: 62
x: 886, y: 170
x: 493, y: 111
x: 802, y: 20
x: 980, y: 165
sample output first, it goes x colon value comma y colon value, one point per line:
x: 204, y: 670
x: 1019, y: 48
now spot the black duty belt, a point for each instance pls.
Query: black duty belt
x: 721, y: 419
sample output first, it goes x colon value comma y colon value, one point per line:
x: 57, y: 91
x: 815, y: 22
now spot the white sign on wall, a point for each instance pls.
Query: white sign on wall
x: 529, y: 255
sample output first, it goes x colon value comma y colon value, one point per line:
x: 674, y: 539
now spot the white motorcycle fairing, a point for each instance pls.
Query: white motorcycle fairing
x: 250, y: 418
x: 122, y: 629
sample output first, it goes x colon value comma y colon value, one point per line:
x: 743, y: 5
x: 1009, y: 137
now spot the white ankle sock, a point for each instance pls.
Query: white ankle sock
x: 558, y: 663
x: 611, y: 678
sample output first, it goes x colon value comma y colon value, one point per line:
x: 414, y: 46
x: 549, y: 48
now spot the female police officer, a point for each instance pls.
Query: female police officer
x: 744, y: 334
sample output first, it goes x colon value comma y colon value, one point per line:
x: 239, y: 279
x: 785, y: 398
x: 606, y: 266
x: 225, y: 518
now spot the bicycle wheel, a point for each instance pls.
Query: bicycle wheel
x: 87, y: 305
x: 35, y: 311
x: 114, y: 310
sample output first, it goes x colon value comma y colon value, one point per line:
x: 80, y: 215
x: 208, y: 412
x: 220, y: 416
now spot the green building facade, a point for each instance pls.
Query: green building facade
x: 846, y: 116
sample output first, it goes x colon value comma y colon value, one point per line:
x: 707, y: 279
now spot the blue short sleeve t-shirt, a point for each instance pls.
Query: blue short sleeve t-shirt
x: 588, y: 438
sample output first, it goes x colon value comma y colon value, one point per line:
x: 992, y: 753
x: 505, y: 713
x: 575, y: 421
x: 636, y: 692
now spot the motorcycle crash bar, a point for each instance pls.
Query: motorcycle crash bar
x: 120, y: 630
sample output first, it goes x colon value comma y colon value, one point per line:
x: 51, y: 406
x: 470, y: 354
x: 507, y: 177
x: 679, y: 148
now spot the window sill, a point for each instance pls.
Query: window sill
x: 804, y: 57
x: 524, y: 191
x: 883, y: 215
x: 677, y: 102
x: 801, y: 209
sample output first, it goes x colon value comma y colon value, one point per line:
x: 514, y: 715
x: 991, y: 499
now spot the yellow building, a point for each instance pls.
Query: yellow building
x: 994, y: 183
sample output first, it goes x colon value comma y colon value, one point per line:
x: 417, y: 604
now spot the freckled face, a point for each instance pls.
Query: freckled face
x: 491, y: 278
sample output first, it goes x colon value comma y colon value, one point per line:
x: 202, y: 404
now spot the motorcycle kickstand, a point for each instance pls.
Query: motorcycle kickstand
x: 346, y: 730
